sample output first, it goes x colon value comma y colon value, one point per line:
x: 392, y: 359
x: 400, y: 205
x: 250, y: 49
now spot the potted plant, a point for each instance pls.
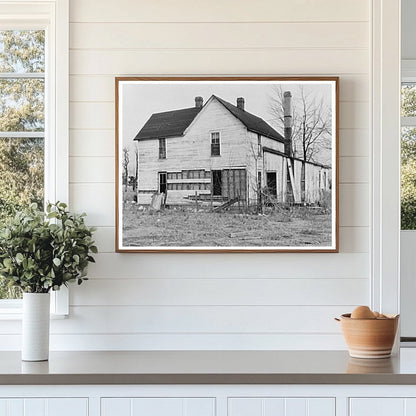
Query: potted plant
x: 40, y: 252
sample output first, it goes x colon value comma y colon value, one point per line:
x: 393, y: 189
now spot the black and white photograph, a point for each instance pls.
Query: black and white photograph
x: 227, y: 164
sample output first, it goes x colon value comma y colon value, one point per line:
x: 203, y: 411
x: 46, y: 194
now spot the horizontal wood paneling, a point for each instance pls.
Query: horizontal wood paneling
x: 96, y: 199
x: 201, y: 319
x: 222, y: 35
x: 145, y: 342
x: 266, y: 265
x: 218, y: 11
x: 86, y: 169
x: 354, y: 142
x: 219, y: 62
x: 354, y: 239
x: 220, y: 291
x: 354, y: 170
x: 287, y: 297
x: 354, y: 208
x: 104, y: 115
x: 194, y: 320
x: 93, y: 143
x: 101, y: 88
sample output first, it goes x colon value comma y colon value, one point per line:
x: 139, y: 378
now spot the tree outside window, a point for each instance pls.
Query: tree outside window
x: 22, y: 124
x: 408, y: 157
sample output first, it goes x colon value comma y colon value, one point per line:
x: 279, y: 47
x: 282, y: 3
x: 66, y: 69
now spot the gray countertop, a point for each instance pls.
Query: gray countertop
x: 207, y: 367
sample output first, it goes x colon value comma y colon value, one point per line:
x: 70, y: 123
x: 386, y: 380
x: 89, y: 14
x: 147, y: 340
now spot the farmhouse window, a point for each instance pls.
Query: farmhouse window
x: 259, y: 145
x: 33, y: 162
x: 215, y: 144
x: 162, y: 148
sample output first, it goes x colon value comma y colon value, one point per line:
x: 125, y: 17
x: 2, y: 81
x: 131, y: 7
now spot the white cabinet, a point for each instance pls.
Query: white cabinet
x: 281, y: 406
x: 44, y: 407
x: 146, y: 406
x: 382, y: 406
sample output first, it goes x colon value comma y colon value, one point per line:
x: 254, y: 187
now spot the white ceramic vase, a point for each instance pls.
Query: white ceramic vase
x: 35, y: 326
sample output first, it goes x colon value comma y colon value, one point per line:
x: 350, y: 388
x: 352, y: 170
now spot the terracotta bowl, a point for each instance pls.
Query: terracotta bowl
x: 369, y: 338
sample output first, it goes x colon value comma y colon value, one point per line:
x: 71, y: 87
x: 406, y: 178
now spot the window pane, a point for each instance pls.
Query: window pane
x: 21, y: 109
x: 22, y: 104
x: 21, y: 173
x: 21, y: 182
x: 408, y: 178
x: 22, y: 51
x: 408, y: 100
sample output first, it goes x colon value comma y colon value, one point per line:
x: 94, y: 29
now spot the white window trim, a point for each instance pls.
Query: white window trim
x: 385, y: 209
x: 408, y: 75
x: 53, y: 16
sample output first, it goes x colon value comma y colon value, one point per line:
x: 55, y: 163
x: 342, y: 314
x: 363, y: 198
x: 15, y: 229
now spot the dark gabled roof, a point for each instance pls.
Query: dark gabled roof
x: 252, y: 122
x: 167, y: 124
x: 174, y: 123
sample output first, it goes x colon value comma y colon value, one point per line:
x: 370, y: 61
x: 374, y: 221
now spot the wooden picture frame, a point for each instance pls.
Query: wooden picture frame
x: 227, y: 164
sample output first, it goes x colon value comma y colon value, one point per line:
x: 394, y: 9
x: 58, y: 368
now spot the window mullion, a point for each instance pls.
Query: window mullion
x: 408, y: 121
x: 22, y: 75
x: 20, y: 134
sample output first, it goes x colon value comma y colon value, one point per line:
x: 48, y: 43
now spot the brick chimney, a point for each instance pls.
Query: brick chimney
x: 288, y: 122
x: 199, y: 102
x: 240, y: 103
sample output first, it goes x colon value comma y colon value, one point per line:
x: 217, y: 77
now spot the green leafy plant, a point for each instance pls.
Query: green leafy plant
x: 43, y: 251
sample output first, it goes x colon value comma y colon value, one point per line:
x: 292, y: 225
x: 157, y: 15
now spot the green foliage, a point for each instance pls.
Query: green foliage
x: 408, y: 160
x: 40, y: 252
x: 22, y: 51
x: 408, y: 101
x: 408, y: 195
x: 21, y: 109
x: 21, y: 174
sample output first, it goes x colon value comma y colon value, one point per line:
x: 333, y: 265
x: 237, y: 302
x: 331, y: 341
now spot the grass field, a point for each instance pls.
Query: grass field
x: 301, y: 226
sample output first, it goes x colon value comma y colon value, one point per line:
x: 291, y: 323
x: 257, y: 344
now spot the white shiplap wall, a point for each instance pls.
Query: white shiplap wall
x: 218, y: 301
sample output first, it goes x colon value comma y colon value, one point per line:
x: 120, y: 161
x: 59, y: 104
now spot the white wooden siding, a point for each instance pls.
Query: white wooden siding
x: 216, y: 301
x: 192, y: 151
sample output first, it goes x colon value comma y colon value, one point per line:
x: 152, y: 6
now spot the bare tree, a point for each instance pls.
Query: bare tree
x: 311, y: 126
x: 125, y: 163
x: 136, y: 173
x: 312, y: 123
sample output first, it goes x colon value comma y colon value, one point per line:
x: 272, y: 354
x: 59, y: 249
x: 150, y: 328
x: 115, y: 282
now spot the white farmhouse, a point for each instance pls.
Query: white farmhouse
x: 219, y: 152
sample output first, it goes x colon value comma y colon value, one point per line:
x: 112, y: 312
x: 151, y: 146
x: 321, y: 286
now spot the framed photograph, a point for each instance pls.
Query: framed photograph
x: 227, y: 164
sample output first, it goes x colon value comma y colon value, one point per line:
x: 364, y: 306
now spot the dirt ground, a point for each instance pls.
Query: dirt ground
x: 301, y: 226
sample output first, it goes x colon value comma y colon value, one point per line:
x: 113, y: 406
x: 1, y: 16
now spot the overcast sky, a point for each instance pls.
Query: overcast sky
x: 140, y: 99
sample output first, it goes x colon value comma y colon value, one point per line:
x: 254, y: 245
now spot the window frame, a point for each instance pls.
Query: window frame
x: 53, y: 17
x: 408, y: 75
x: 219, y: 143
x: 162, y: 148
